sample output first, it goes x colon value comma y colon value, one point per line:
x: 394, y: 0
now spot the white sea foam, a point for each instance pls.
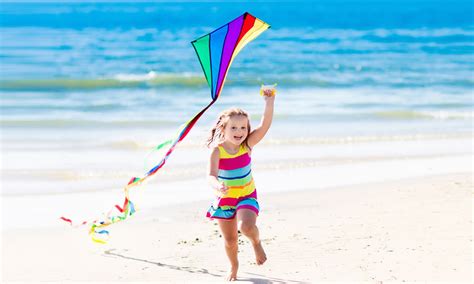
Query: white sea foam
x: 136, y: 77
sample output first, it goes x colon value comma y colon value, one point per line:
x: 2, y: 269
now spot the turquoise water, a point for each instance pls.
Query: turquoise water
x: 113, y: 65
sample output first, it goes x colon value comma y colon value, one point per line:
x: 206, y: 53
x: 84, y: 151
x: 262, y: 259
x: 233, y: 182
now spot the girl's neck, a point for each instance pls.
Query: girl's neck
x: 231, y: 148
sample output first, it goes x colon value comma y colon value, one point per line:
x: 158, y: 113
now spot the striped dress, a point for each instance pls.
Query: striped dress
x: 235, y: 172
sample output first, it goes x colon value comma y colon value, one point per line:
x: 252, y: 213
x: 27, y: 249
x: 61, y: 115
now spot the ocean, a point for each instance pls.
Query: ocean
x: 95, y: 64
x: 87, y: 89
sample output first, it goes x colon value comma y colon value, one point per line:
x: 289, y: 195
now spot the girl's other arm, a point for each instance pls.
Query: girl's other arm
x: 258, y: 133
x: 213, y: 170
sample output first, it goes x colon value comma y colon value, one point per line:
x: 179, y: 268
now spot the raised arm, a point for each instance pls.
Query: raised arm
x: 258, y: 133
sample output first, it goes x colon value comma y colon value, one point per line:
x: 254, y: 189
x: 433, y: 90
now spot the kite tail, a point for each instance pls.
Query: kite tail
x: 97, y: 231
x: 98, y: 234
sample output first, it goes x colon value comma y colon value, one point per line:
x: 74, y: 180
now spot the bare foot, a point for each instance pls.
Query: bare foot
x: 260, y: 255
x: 233, y: 273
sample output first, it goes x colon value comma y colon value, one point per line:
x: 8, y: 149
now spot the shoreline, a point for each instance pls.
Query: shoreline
x: 119, y: 165
x: 404, y: 231
x: 183, y: 178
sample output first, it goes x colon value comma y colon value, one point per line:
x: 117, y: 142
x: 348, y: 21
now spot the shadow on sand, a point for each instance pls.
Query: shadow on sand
x: 169, y: 266
x: 258, y: 279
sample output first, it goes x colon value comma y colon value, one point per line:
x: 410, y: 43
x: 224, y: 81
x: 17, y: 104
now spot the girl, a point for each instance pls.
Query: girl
x: 236, y: 206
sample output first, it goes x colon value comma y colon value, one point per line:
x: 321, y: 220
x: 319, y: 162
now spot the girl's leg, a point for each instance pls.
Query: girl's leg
x: 229, y: 232
x: 247, y: 220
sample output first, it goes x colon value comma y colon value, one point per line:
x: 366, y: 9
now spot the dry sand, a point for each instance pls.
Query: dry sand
x: 417, y: 229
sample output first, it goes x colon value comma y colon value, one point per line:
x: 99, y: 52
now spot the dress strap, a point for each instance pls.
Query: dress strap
x: 225, y: 155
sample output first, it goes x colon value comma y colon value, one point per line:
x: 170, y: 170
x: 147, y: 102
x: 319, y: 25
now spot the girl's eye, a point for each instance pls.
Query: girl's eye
x: 233, y: 128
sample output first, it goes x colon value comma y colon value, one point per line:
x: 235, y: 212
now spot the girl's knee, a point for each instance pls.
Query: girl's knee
x: 247, y: 228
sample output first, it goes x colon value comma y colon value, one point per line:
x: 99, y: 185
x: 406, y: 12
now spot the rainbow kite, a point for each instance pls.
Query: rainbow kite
x: 215, y: 51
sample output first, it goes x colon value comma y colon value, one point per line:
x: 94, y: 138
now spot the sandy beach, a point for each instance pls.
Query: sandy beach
x: 410, y: 227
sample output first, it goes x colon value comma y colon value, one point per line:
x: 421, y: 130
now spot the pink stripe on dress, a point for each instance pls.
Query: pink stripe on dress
x: 248, y: 207
x: 234, y: 163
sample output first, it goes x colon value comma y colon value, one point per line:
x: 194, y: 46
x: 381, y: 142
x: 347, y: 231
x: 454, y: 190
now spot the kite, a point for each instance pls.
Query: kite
x: 216, y: 52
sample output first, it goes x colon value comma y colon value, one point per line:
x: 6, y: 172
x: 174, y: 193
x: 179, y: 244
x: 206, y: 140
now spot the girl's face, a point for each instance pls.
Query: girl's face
x: 236, y: 129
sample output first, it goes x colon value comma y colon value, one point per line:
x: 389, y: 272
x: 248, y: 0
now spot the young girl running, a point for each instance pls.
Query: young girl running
x: 230, y: 175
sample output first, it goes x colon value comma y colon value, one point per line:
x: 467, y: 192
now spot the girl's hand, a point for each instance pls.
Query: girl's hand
x: 222, y: 189
x: 269, y: 92
x: 269, y: 95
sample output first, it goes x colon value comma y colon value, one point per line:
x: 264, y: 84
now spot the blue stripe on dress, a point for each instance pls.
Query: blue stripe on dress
x: 219, y: 213
x: 231, y: 178
x: 250, y: 201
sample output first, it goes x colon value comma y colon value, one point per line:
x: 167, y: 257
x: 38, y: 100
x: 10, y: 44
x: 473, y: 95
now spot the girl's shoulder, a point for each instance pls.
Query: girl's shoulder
x: 218, y: 151
x: 214, y: 149
x: 215, y: 152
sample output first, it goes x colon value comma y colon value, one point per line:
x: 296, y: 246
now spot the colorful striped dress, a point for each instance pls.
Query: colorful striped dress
x: 235, y: 172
